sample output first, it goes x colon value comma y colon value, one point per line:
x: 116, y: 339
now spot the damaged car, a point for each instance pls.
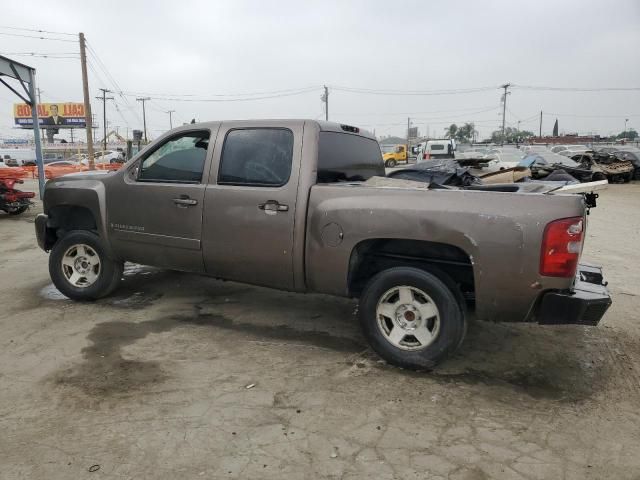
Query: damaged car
x: 614, y: 167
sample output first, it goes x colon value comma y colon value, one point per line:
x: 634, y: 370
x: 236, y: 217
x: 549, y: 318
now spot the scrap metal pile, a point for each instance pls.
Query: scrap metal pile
x: 537, y: 165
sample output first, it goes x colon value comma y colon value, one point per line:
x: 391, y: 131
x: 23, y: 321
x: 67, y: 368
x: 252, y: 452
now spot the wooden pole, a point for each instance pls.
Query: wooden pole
x: 87, y: 103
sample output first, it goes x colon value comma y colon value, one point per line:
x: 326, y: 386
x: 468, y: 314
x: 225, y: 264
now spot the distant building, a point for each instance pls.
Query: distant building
x: 392, y: 141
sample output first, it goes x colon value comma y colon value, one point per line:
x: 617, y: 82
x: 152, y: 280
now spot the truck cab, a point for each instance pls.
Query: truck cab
x: 395, y: 155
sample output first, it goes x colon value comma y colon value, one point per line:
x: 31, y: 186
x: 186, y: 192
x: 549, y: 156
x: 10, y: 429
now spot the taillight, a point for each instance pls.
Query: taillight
x: 561, y: 247
x: 426, y: 156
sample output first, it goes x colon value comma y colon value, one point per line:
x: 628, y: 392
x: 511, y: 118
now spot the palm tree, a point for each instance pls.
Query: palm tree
x: 451, y: 130
x: 470, y: 131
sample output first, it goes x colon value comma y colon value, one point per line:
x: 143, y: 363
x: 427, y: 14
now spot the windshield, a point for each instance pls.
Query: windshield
x: 547, y: 158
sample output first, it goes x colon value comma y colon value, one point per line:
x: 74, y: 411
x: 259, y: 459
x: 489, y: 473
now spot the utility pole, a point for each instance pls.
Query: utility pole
x: 540, y: 134
x: 504, y: 106
x: 170, y: 120
x: 104, y: 99
x: 408, y: 129
x: 39, y: 102
x: 87, y: 103
x: 144, y: 115
x: 325, y: 99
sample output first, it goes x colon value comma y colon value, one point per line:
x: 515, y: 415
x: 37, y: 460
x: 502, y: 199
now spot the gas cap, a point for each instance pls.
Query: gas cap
x: 332, y: 235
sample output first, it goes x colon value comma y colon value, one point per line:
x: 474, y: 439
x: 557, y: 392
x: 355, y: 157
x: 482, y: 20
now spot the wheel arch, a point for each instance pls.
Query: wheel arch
x: 65, y: 218
x: 449, y: 263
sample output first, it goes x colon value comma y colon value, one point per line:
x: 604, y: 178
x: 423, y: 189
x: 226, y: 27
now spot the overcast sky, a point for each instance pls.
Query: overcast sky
x: 170, y: 49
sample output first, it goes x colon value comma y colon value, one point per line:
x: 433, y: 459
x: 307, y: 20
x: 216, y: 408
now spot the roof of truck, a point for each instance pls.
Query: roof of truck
x: 324, y: 125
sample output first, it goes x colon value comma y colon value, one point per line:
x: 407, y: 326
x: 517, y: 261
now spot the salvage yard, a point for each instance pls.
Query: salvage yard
x: 182, y: 376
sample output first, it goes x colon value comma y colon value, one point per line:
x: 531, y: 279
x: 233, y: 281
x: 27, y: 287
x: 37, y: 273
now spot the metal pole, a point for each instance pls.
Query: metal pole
x: 36, y: 131
x: 326, y: 103
x: 540, y: 134
x: 39, y: 102
x: 87, y: 103
x: 504, y: 107
x: 170, y: 120
x: 625, y: 128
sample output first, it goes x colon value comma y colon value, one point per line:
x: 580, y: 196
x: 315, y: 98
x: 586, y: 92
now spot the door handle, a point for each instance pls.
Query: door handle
x: 184, y: 201
x: 271, y: 207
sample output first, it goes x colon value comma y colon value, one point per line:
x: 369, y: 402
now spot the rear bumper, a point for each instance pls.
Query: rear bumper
x: 585, y: 304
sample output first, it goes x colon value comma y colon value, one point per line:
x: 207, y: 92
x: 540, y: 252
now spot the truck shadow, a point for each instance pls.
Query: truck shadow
x: 556, y: 363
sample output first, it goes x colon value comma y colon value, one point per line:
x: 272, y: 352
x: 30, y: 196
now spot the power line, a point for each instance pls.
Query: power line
x: 448, y: 116
x: 37, y: 30
x: 39, y: 38
x: 247, y: 99
x: 413, y: 92
x: 591, y: 116
x: 40, y: 53
x: 469, y: 109
x: 52, y: 57
x: 272, y: 92
x: 115, y: 84
x: 577, y: 89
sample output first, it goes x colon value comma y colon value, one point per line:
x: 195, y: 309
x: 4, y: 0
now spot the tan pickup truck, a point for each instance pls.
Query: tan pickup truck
x: 293, y: 205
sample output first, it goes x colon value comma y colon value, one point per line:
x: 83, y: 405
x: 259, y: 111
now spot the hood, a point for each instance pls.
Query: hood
x: 86, y: 175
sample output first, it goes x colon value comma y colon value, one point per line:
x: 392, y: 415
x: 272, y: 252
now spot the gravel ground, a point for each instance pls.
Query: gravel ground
x: 154, y: 381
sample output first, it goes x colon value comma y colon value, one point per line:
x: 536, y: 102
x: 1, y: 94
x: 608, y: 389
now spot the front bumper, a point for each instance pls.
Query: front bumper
x: 41, y: 231
x: 585, y: 304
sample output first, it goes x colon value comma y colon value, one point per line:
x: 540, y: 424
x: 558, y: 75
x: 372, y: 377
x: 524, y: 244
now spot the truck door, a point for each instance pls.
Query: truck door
x: 155, y: 209
x: 249, y: 211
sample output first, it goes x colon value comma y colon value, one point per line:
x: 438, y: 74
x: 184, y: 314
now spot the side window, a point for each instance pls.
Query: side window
x: 257, y: 157
x: 180, y: 159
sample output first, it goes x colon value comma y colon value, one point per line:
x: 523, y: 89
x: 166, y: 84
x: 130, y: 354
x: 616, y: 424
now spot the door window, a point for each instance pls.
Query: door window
x: 179, y: 160
x: 257, y: 157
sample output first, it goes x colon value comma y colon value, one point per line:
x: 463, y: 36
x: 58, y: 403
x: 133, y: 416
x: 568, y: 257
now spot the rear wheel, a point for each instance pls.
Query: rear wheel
x: 411, y: 318
x: 80, y: 268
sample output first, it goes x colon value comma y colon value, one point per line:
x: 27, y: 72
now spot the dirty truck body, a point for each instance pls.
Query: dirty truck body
x: 284, y: 204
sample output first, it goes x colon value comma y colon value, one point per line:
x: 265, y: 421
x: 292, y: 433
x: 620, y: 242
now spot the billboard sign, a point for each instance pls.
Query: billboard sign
x: 54, y: 115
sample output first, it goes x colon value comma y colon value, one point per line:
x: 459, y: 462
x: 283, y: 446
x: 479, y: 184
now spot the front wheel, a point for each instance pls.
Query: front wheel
x: 411, y: 318
x: 80, y: 268
x: 19, y: 210
x: 390, y: 163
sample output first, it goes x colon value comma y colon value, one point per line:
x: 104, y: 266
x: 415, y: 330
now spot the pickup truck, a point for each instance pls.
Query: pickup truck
x: 304, y: 206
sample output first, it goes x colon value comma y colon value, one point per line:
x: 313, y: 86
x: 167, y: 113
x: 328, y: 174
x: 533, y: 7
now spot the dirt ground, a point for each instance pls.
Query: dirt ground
x: 153, y: 382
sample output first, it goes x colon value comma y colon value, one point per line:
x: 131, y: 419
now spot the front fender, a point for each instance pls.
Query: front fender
x: 88, y: 193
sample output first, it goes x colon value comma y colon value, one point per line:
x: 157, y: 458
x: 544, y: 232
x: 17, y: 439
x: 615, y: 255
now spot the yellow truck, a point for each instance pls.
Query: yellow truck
x: 392, y: 154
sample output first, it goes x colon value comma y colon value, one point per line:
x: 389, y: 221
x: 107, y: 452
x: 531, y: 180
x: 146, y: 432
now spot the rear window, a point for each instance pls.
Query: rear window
x: 437, y: 147
x: 343, y: 157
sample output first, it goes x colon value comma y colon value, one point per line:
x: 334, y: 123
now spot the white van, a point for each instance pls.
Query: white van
x: 433, y: 149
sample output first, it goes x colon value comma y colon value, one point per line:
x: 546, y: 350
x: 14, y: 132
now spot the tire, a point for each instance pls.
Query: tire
x: 446, y: 327
x: 100, y: 279
x: 19, y: 210
x: 390, y: 163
